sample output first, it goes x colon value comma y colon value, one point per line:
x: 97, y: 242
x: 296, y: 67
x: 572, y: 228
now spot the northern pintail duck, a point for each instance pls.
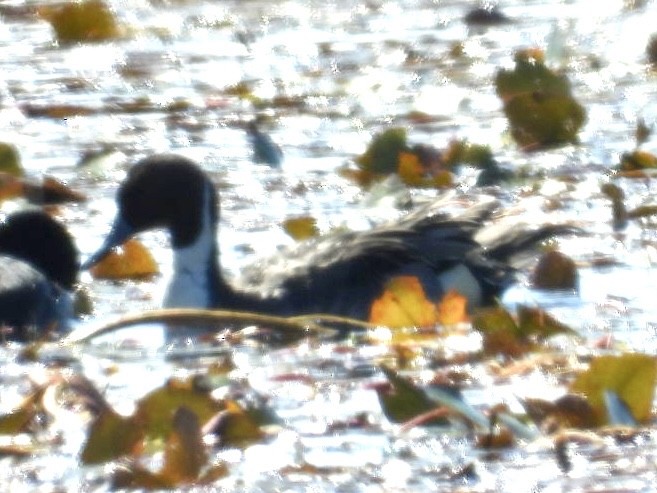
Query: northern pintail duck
x: 338, y: 274
x: 38, y: 268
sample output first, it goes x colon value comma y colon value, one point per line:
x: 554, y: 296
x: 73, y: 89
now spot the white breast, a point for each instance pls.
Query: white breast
x: 189, y: 286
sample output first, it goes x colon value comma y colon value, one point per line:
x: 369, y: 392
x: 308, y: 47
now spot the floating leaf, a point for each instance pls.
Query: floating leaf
x: 464, y: 152
x: 110, y: 437
x: 642, y: 132
x: 538, y: 103
x: 452, y: 309
x: 537, y: 322
x: 504, y: 335
x: 184, y: 452
x: 403, y: 304
x: 88, y: 21
x: 130, y: 261
x: 637, y: 160
x: 11, y: 187
x: 631, y: 376
x: 403, y: 400
x: 10, y: 161
x: 410, y: 169
x: 57, y: 111
x: 642, y: 211
x: 500, y: 332
x: 301, y: 228
x: 490, y: 15
x: 156, y: 410
x: 555, y: 271
x: 569, y: 411
x: 51, y: 191
x: 382, y: 155
x: 236, y: 427
x: 16, y: 421
x: 651, y: 50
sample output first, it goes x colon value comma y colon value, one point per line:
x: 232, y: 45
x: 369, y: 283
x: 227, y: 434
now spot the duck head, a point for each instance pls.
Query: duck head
x: 162, y: 191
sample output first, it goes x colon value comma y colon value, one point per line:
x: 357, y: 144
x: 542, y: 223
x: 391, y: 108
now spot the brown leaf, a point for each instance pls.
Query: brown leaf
x: 184, y: 452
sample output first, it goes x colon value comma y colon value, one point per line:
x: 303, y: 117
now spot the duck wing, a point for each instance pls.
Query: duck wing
x: 343, y: 273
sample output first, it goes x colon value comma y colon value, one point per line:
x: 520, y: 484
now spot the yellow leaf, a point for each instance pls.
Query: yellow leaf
x: 130, y: 261
x: 301, y: 228
x: 452, y: 309
x: 403, y: 304
x: 631, y: 376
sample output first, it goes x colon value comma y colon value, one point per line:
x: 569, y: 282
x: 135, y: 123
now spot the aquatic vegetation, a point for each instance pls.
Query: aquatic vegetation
x: 651, y: 50
x: 301, y: 228
x: 10, y: 160
x: 637, y: 160
x: 630, y: 376
x: 90, y: 21
x: 131, y: 261
x: 555, y: 271
x: 538, y: 103
x: 419, y: 165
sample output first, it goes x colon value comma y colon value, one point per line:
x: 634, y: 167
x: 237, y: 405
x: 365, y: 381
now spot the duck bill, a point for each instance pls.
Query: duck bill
x: 121, y: 232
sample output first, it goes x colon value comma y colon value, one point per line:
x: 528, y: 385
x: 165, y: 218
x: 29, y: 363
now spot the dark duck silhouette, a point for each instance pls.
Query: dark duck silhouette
x: 337, y: 274
x: 265, y: 150
x: 39, y: 265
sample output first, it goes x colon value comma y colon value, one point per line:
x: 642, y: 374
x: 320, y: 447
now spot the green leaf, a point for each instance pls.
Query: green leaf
x: 537, y: 322
x: 89, y: 21
x: 382, y: 155
x: 538, y: 103
x: 500, y: 332
x: 110, y: 437
x: 238, y: 427
x: 156, y: 410
x: 405, y: 400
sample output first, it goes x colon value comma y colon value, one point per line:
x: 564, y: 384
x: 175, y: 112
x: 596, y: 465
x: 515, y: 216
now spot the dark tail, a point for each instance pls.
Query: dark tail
x: 520, y: 241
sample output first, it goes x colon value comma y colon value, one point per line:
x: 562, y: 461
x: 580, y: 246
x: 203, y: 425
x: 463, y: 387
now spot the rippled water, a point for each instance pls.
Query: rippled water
x: 328, y: 75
